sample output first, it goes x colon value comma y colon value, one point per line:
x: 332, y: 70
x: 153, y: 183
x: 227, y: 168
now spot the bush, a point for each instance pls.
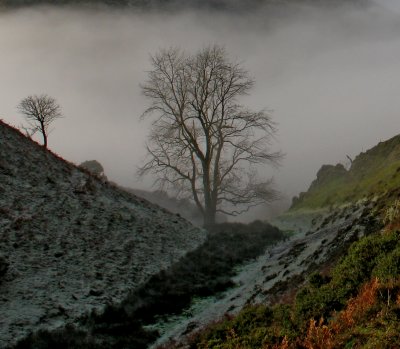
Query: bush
x: 388, y: 266
x: 363, y: 256
x: 3, y: 267
x: 250, y: 327
x: 67, y: 338
x: 372, y: 255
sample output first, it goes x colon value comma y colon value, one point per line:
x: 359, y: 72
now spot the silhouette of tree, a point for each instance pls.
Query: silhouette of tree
x: 40, y: 112
x: 202, y: 142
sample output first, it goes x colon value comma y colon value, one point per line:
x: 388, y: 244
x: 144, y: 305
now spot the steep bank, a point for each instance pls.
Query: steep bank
x: 349, y: 303
x: 72, y: 242
x: 334, y: 283
x: 276, y: 275
x: 341, y: 208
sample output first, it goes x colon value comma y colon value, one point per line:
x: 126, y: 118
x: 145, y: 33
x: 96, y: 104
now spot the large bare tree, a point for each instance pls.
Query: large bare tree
x: 40, y: 112
x: 202, y: 142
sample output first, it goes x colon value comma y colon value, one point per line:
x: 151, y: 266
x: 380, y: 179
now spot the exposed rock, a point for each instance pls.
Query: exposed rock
x: 94, y: 167
x: 328, y: 173
x: 372, y: 172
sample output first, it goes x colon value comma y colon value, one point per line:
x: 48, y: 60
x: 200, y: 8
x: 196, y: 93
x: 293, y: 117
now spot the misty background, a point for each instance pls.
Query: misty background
x: 331, y: 78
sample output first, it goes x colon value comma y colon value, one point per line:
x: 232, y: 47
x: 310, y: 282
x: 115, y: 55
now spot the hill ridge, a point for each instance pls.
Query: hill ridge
x: 371, y: 173
x: 73, y: 243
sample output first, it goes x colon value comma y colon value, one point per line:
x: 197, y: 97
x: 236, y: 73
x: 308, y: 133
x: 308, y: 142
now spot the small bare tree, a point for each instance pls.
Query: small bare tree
x: 202, y: 142
x: 40, y: 112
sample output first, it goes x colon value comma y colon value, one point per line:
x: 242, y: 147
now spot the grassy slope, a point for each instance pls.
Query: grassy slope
x: 372, y: 173
x: 355, y: 305
x: 357, y: 302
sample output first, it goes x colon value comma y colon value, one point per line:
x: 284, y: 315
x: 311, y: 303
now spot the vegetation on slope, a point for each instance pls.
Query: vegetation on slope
x: 372, y: 173
x: 357, y: 304
x: 73, y: 242
x: 203, y: 272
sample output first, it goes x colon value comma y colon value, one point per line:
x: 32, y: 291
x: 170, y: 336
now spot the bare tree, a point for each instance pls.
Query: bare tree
x: 40, y: 112
x: 202, y: 142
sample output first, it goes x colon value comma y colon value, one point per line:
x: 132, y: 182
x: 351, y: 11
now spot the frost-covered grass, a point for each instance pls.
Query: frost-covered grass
x: 73, y: 242
x: 203, y: 272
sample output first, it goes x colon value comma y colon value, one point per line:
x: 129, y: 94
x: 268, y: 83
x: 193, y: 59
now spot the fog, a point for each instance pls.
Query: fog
x: 330, y: 77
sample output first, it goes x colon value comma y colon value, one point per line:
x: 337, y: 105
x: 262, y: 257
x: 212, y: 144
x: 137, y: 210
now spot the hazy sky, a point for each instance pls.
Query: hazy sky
x: 331, y: 78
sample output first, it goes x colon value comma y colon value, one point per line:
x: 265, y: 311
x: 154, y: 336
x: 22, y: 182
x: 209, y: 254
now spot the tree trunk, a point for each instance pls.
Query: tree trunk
x: 44, y: 135
x: 210, y: 213
x: 209, y: 218
x: 44, y: 140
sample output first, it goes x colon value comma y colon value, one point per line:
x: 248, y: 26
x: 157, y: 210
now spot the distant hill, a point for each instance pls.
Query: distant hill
x: 183, y: 207
x: 71, y: 242
x: 214, y: 4
x: 371, y: 173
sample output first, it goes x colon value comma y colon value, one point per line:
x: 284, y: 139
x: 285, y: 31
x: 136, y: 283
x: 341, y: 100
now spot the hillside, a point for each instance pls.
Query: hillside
x: 81, y: 262
x: 371, y: 173
x: 335, y: 283
x: 70, y: 243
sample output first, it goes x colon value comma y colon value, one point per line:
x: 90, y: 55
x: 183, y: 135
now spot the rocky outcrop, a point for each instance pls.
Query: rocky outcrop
x: 370, y: 174
x: 94, y: 167
x: 328, y: 173
x: 73, y: 242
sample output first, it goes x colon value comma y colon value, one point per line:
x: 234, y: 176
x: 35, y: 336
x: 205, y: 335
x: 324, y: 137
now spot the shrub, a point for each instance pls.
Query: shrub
x: 392, y: 213
x: 363, y: 256
x: 3, y: 267
x: 388, y: 266
x: 67, y: 338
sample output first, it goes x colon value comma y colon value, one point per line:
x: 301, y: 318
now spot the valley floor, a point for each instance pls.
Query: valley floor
x: 275, y: 274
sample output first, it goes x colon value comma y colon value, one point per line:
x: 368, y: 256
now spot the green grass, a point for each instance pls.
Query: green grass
x: 372, y: 174
x: 377, y: 255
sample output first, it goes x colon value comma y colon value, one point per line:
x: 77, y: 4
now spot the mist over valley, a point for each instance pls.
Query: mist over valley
x: 328, y: 75
x: 182, y: 114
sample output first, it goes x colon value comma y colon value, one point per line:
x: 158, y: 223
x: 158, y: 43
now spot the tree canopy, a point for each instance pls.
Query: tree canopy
x: 203, y: 143
x: 40, y: 112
